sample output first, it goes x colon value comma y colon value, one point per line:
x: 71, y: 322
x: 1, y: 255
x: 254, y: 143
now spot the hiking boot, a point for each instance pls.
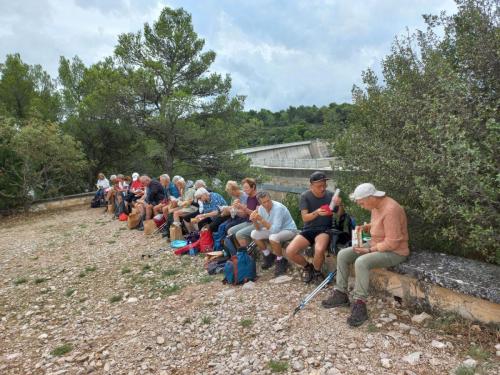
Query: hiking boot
x: 281, y: 267
x: 359, y: 314
x: 336, y: 299
x: 308, y: 273
x: 317, y: 277
x: 268, y: 261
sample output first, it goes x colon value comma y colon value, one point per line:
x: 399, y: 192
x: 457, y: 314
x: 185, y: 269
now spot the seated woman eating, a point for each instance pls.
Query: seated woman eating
x: 388, y: 247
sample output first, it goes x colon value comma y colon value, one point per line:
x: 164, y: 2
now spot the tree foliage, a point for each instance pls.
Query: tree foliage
x: 169, y: 83
x: 37, y: 161
x: 429, y: 134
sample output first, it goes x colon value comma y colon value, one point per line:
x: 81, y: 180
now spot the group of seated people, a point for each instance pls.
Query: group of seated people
x: 254, y: 216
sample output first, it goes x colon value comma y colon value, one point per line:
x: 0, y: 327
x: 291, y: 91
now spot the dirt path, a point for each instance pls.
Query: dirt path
x: 76, y: 298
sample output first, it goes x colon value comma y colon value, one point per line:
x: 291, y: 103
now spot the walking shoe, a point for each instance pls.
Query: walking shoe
x: 358, y: 314
x: 281, y: 267
x: 268, y: 261
x: 336, y: 299
x: 307, y: 273
x: 317, y: 277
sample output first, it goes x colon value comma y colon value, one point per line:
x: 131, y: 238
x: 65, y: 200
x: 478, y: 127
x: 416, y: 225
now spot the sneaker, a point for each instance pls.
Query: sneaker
x: 359, y: 314
x: 281, y: 267
x: 336, y: 299
x: 268, y: 261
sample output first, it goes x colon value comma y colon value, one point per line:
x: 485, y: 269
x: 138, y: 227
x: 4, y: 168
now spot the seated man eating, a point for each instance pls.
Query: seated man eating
x: 273, y: 226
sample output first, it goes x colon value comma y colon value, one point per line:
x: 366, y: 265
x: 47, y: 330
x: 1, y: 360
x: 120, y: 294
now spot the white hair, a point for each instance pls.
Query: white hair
x: 176, y: 178
x: 165, y: 177
x: 200, y: 192
x: 200, y: 183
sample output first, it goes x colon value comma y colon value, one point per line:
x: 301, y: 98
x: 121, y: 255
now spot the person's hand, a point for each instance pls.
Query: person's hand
x: 361, y: 250
x: 322, y: 212
x: 337, y: 201
x: 236, y: 203
x: 254, y: 216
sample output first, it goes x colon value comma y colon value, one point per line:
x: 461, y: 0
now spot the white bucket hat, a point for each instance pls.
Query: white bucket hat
x: 366, y: 190
x: 135, y: 176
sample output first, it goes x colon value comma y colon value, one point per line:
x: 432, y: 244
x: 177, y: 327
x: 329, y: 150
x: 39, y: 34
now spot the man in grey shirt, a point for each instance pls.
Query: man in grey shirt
x: 317, y: 223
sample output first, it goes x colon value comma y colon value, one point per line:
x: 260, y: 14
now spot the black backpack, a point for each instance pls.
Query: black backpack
x: 341, y: 233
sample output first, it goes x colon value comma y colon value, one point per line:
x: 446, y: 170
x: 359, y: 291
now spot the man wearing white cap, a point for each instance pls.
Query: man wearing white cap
x: 388, y: 247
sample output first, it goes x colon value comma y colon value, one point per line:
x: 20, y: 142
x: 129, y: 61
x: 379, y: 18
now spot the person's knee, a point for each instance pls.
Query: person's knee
x: 274, y: 238
x: 360, y: 265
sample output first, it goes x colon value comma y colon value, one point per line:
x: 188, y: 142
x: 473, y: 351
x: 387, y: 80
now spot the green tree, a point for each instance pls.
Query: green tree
x: 38, y: 161
x: 27, y: 91
x: 169, y: 81
x: 95, y: 106
x: 429, y: 135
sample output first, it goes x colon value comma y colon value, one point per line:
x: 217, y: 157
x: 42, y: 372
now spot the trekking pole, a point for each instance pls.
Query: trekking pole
x: 311, y: 295
x: 160, y: 228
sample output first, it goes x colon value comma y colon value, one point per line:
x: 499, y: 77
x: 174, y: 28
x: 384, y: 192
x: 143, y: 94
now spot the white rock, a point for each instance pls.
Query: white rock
x: 107, y: 367
x: 43, y: 336
x: 404, y: 327
x: 334, y: 371
x: 160, y: 340
x: 297, y: 365
x: 412, y: 358
x: 472, y: 363
x: 438, y: 344
x: 386, y: 363
x: 248, y: 285
x: 281, y: 279
x: 414, y: 332
x: 497, y: 346
x: 228, y: 292
x: 10, y: 357
x: 434, y: 361
x: 132, y: 300
x: 420, y: 318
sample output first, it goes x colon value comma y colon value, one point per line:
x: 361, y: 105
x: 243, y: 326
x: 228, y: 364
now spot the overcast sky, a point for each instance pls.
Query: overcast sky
x: 278, y: 53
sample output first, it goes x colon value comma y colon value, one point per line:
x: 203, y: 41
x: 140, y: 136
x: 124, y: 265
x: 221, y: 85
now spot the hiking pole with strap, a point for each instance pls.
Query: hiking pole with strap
x: 311, y: 295
x: 160, y: 228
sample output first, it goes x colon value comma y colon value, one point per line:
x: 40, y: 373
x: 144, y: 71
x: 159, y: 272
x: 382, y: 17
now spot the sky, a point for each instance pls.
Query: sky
x: 279, y: 53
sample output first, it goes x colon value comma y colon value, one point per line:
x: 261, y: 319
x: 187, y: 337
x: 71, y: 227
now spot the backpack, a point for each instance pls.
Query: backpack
x: 341, y: 233
x: 219, y: 236
x: 230, y: 246
x: 240, y: 269
x: 96, y: 202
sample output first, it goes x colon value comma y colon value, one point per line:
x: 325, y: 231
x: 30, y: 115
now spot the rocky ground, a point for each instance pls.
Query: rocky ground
x: 76, y: 297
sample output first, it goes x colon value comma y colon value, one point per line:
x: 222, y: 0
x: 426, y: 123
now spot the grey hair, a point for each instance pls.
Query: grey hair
x: 165, y: 177
x: 176, y: 178
x: 231, y: 186
x: 180, y: 180
x: 200, y: 183
x: 263, y: 194
x: 200, y: 192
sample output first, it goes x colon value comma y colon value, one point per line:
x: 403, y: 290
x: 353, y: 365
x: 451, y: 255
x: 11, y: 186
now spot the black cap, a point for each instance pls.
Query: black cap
x: 318, y: 176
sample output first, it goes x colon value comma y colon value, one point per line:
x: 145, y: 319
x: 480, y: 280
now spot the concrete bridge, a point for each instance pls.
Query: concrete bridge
x: 289, y: 165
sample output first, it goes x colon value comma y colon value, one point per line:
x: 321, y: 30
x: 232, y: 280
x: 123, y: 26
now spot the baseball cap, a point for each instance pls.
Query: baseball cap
x: 366, y: 190
x: 318, y: 176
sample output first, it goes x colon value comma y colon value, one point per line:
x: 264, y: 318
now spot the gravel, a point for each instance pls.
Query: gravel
x: 92, y: 303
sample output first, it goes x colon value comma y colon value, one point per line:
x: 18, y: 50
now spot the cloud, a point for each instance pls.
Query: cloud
x: 278, y: 53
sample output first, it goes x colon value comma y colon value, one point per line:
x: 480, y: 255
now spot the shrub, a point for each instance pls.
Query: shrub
x: 429, y: 136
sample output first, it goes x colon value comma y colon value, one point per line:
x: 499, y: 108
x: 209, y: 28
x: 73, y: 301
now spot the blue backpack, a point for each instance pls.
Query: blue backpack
x: 219, y: 236
x: 240, y: 269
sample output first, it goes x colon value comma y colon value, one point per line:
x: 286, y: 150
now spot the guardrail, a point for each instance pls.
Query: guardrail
x: 313, y: 164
